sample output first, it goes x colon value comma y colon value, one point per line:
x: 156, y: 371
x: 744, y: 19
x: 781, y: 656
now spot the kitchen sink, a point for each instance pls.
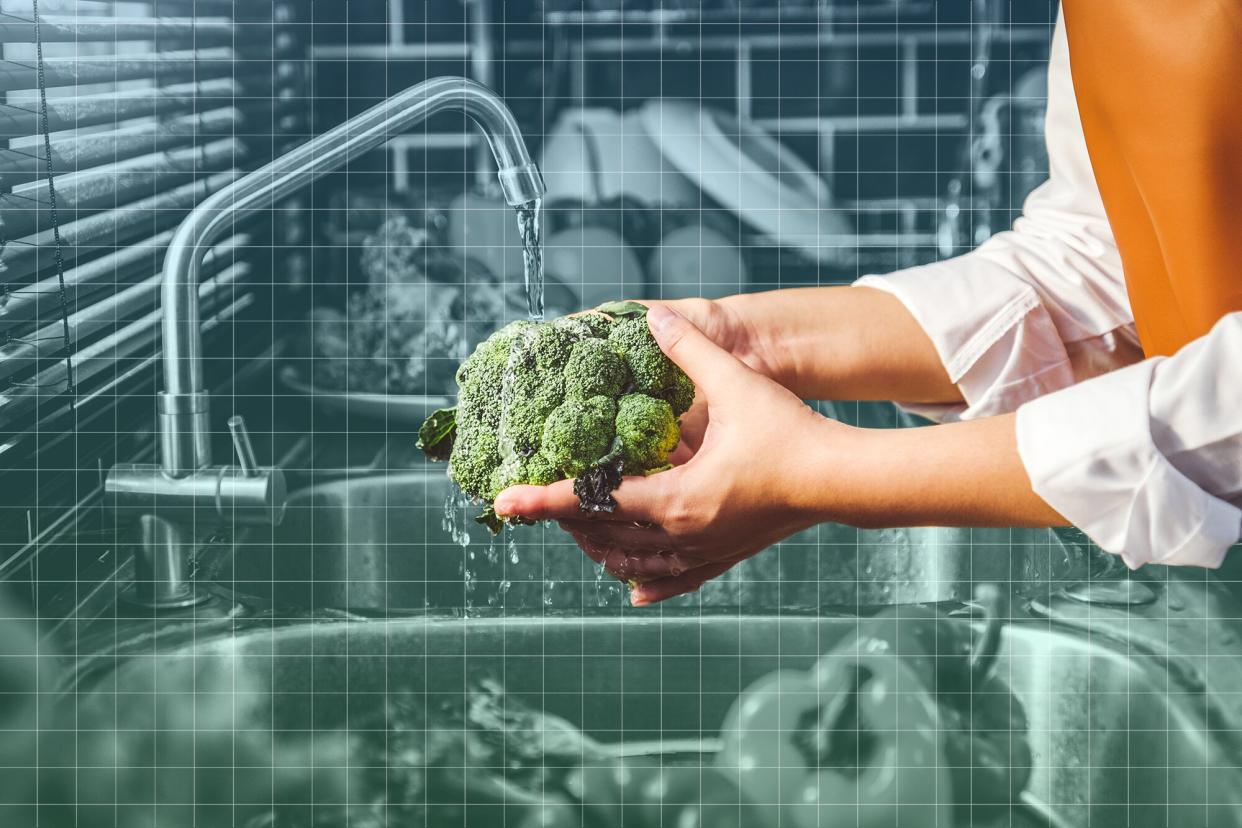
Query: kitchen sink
x: 380, y: 544
x: 1116, y: 740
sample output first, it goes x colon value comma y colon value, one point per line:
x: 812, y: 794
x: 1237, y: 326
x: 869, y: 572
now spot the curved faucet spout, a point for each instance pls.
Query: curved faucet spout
x: 184, y: 446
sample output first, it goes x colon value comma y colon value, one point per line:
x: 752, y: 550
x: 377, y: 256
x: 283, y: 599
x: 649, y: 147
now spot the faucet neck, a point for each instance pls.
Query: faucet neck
x: 184, y: 432
x: 183, y: 406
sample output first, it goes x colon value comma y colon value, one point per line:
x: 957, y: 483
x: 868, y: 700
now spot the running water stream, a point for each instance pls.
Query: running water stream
x: 528, y: 216
x: 457, y: 505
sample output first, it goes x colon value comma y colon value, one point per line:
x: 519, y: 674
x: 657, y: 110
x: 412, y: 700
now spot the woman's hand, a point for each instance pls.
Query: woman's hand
x: 749, y: 471
x: 827, y: 343
x: 756, y: 465
x: 732, y: 325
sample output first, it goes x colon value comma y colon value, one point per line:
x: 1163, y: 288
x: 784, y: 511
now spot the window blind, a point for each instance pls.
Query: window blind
x: 150, y: 107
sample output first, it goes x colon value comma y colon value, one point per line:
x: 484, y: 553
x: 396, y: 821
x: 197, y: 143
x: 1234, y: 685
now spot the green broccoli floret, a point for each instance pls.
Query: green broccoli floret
x: 599, y: 325
x: 654, y: 374
x: 588, y: 397
x: 595, y: 369
x: 476, y: 454
x: 578, y: 433
x: 513, y: 470
x: 648, y: 431
x: 480, y: 378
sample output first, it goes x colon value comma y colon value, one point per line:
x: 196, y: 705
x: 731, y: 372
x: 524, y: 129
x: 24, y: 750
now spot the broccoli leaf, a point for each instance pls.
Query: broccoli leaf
x: 436, y: 434
x: 623, y: 310
x: 491, y: 520
x: 495, y: 522
x: 594, y: 487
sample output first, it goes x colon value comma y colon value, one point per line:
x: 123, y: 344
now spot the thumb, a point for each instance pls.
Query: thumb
x: 705, y: 362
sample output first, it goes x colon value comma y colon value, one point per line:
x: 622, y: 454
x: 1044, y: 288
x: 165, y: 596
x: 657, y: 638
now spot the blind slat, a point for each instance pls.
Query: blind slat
x: 20, y: 258
x: 76, y: 152
x: 29, y: 306
x: 104, y: 356
x: 112, y: 186
x: 235, y: 8
x: 17, y: 121
x: 205, y: 31
x: 167, y: 66
x: 122, y: 307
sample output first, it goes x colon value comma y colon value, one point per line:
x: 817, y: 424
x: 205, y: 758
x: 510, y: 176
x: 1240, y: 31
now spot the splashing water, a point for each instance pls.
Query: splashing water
x: 532, y: 255
x: 608, y: 591
x: 454, y: 519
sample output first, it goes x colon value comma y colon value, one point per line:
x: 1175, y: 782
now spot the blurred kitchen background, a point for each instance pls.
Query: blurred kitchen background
x: 690, y: 149
x: 190, y: 638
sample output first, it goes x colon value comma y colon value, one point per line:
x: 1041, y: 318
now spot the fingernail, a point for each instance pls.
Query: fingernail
x: 660, y: 318
x: 637, y: 599
x: 502, y: 506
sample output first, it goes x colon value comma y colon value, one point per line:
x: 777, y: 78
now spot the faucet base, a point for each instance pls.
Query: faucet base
x: 134, y: 596
x: 160, y: 564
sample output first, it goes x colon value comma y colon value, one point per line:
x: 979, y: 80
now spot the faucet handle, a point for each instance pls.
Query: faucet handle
x: 250, y: 493
x: 242, y: 445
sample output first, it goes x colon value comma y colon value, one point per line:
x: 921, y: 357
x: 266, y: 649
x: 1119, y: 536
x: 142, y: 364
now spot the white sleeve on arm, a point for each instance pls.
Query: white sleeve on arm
x: 1147, y: 460
x: 1034, y: 309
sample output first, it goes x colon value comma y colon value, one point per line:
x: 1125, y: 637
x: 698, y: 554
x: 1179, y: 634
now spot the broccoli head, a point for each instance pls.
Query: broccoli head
x: 588, y: 396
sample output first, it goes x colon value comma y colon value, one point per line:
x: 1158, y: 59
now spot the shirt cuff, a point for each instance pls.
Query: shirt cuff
x: 996, y: 340
x: 1090, y: 454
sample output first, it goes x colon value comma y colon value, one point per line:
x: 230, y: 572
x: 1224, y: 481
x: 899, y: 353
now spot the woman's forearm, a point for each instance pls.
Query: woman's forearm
x: 958, y: 474
x: 843, y: 343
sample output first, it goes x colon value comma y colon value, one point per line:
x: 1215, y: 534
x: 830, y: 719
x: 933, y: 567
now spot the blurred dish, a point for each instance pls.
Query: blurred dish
x: 486, y: 229
x: 628, y: 217
x: 748, y: 172
x: 595, y: 263
x: 403, y: 409
x: 599, y: 155
x: 696, y: 261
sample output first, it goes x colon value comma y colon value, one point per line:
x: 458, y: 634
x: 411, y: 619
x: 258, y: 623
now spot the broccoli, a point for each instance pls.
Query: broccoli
x: 588, y: 397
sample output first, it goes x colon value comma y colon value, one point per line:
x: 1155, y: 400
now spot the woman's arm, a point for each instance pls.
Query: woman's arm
x: 828, y: 343
x: 768, y: 466
x: 956, y: 474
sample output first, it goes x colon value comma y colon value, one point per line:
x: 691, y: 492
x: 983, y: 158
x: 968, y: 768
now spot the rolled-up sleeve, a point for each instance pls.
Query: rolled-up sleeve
x: 1036, y: 308
x: 1147, y: 460
x: 1145, y: 456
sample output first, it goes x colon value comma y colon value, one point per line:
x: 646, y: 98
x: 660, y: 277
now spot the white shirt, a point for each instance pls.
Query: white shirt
x: 1143, y: 455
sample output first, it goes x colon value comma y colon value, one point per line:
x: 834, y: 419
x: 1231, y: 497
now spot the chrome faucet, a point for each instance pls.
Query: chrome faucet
x: 185, y: 492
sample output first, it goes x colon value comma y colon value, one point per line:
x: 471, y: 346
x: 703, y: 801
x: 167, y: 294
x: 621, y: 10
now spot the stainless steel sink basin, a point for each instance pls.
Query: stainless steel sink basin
x: 1115, y: 740
x: 379, y: 545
